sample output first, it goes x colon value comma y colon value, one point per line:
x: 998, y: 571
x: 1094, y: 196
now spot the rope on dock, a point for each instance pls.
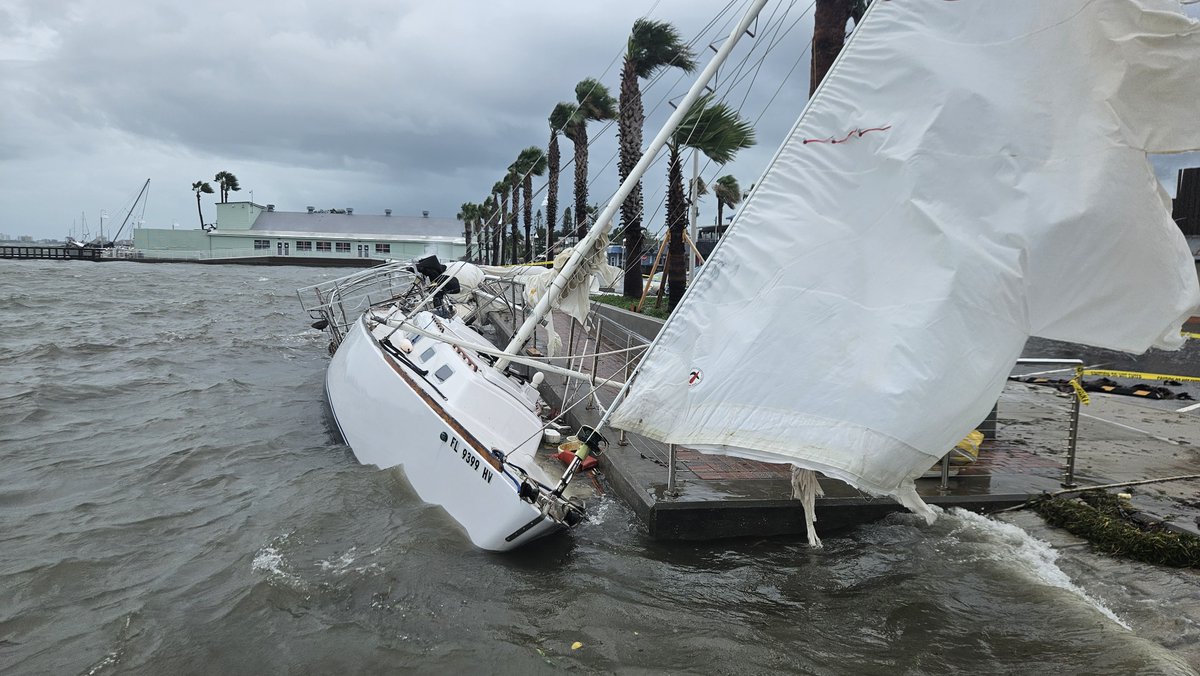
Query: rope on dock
x: 1098, y: 487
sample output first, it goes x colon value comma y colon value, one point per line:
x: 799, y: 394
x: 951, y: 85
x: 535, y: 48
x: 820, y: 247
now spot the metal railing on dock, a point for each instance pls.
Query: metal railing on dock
x: 1014, y: 451
x: 52, y: 252
x: 1073, y: 420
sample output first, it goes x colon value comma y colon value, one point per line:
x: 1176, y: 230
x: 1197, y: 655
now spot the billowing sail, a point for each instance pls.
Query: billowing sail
x: 968, y: 175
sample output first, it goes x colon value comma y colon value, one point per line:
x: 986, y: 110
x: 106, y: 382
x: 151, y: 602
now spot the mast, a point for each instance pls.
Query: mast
x: 131, y: 208
x: 584, y: 247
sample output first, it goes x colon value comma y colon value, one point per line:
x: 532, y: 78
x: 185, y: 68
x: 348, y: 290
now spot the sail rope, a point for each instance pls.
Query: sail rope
x: 584, y: 396
x: 807, y: 489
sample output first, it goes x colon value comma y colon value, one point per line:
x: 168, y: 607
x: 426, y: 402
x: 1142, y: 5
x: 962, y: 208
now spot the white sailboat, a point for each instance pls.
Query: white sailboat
x: 960, y: 181
x: 414, y: 386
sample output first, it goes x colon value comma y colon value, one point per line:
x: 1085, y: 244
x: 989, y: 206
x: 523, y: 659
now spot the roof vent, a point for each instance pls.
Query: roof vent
x: 350, y: 210
x: 387, y: 212
x: 270, y: 207
x: 311, y: 209
x: 424, y: 214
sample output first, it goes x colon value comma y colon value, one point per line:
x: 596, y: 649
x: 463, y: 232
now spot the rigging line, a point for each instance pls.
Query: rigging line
x: 596, y: 176
x: 768, y: 39
x: 606, y: 353
x: 786, y: 78
x: 568, y: 407
x: 523, y: 360
x: 771, y: 39
x: 620, y: 55
x: 770, y: 48
x: 593, y: 139
x: 776, y: 39
x: 766, y: 173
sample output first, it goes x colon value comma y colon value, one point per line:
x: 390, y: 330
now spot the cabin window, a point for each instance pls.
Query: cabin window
x: 343, y: 247
x: 383, y: 248
x: 324, y: 246
x: 427, y: 355
x: 415, y: 337
x: 443, y: 374
x: 301, y: 245
x: 262, y: 244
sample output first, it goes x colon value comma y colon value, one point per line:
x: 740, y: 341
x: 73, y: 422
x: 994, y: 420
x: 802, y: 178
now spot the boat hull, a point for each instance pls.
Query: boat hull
x: 390, y: 418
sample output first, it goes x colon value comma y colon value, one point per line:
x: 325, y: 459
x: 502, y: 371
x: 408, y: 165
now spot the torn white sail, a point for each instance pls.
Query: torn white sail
x: 968, y: 175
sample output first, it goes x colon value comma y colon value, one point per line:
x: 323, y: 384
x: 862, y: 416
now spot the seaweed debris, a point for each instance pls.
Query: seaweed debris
x: 1109, y: 524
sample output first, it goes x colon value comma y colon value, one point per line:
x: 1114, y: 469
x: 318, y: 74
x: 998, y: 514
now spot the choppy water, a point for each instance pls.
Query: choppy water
x: 174, y: 499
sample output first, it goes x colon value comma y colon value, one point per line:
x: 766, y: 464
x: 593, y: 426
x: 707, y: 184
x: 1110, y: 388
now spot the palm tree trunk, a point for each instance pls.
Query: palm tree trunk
x: 553, y: 158
x: 198, y: 211
x: 633, y: 118
x: 676, y: 225
x: 499, y: 228
x: 528, y: 186
x: 829, y: 34
x: 581, y: 173
x: 516, y: 213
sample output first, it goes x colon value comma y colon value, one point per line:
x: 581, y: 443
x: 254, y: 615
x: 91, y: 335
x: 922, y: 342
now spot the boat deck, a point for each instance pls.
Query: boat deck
x: 719, y: 496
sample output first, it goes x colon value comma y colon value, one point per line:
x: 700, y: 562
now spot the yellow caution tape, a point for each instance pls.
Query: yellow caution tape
x: 1193, y: 336
x: 1139, y: 376
x: 1079, y: 391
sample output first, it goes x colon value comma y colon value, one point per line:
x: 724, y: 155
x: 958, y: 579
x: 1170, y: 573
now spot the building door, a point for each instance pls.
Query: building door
x: 278, y: 248
x: 287, y: 248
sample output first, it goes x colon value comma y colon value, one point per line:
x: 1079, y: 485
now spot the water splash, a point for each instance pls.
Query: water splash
x: 1031, y: 556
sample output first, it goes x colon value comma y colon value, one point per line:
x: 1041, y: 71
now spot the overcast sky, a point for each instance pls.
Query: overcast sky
x: 370, y: 104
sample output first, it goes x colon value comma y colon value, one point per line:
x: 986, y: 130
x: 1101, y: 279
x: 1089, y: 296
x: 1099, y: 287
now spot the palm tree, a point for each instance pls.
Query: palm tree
x: 729, y: 194
x: 466, y: 214
x: 652, y: 45
x: 568, y: 222
x: 595, y: 103
x: 486, y: 216
x: 500, y: 189
x: 531, y: 162
x: 514, y: 183
x: 717, y: 131
x: 226, y: 182
x: 560, y: 117
x: 829, y: 34
x: 201, y: 187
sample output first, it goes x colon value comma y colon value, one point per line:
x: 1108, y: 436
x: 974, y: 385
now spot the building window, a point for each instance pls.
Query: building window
x: 324, y: 246
x: 343, y: 247
x: 383, y: 248
x: 262, y: 244
x: 303, y: 246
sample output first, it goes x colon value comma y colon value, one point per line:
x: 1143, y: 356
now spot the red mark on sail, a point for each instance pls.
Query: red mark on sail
x: 856, y: 133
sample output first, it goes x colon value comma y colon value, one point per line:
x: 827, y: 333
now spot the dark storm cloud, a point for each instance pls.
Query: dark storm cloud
x: 373, y: 102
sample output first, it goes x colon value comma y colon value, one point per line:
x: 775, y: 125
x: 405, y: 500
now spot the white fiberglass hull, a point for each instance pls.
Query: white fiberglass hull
x: 392, y: 416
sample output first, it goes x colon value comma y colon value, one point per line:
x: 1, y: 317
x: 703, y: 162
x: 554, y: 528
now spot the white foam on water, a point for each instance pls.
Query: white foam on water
x: 270, y: 561
x: 1035, y: 557
x: 342, y: 564
x: 597, y: 513
x: 267, y: 560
